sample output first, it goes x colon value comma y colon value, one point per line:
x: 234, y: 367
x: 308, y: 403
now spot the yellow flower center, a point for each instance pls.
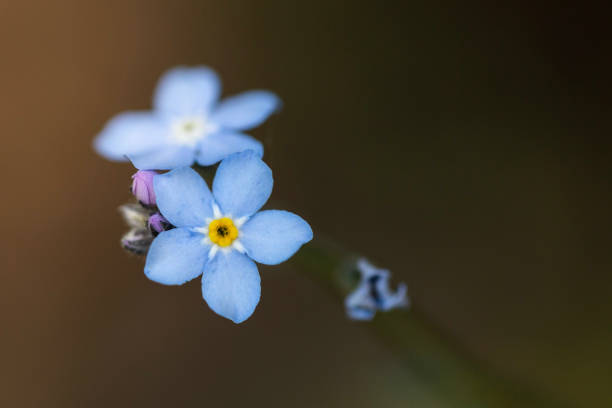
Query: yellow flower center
x: 222, y: 231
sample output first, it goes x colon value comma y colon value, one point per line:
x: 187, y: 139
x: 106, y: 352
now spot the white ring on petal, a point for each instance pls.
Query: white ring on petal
x: 239, y: 222
x: 189, y: 130
x: 217, y: 212
x: 214, y: 248
x: 237, y: 245
x: 213, y: 251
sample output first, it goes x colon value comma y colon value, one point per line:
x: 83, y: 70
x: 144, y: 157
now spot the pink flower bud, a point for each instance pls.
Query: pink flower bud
x: 142, y: 187
x: 157, y: 223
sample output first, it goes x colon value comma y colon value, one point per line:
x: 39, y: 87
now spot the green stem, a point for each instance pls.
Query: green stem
x: 450, y: 375
x: 444, y: 371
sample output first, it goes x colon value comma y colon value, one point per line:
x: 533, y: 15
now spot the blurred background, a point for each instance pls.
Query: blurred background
x: 477, y: 134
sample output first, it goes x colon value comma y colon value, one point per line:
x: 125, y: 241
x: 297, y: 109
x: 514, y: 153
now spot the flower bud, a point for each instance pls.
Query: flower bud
x: 137, y: 241
x: 157, y: 223
x: 373, y: 293
x: 142, y: 187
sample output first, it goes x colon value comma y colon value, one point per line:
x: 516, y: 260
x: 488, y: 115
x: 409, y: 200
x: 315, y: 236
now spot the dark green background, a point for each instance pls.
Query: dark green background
x: 465, y: 146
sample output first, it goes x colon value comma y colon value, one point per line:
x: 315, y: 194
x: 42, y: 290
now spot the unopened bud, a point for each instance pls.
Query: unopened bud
x: 137, y: 241
x: 142, y: 187
x: 157, y: 223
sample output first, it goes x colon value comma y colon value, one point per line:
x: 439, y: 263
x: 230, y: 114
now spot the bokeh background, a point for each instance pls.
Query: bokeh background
x: 465, y: 146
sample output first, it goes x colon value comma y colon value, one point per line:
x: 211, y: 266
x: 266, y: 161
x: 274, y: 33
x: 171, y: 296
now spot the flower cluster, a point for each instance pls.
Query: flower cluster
x: 184, y: 228
x: 143, y: 218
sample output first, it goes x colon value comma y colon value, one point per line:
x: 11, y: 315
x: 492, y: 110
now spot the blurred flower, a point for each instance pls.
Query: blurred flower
x: 220, y: 234
x: 142, y: 187
x: 186, y: 123
x: 373, y: 293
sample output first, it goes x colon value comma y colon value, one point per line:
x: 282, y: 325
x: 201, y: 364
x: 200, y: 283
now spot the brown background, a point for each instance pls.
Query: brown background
x: 464, y: 146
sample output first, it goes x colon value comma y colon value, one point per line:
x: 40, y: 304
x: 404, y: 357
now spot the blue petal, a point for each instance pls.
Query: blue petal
x: 130, y: 133
x: 357, y: 313
x: 185, y: 91
x: 217, y: 146
x: 242, y: 184
x: 165, y: 158
x: 271, y: 237
x: 360, y: 304
x: 231, y: 286
x: 176, y: 256
x: 246, y: 110
x: 183, y: 197
x: 389, y: 299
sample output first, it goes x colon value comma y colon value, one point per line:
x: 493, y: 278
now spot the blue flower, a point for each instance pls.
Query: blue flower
x: 373, y: 293
x: 219, y: 234
x: 186, y: 123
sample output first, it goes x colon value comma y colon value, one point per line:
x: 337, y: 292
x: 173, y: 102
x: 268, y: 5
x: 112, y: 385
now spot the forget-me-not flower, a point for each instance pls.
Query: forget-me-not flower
x: 219, y: 234
x: 187, y: 123
x: 373, y: 293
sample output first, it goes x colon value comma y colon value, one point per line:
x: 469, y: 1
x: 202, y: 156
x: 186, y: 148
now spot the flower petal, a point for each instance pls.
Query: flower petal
x: 273, y: 236
x: 165, y: 158
x: 217, y: 146
x: 359, y: 304
x: 176, y: 256
x: 130, y: 133
x: 243, y: 184
x: 231, y: 285
x: 187, y: 91
x: 389, y: 299
x: 246, y: 110
x: 183, y: 197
